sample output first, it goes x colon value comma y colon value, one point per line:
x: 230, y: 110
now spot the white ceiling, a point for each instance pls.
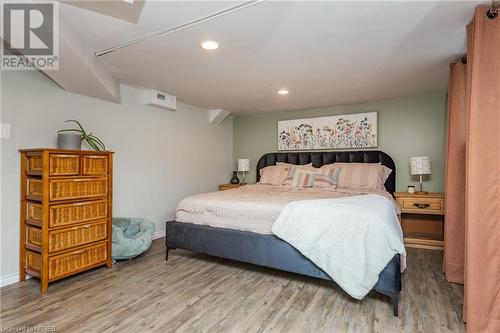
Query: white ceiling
x: 324, y: 53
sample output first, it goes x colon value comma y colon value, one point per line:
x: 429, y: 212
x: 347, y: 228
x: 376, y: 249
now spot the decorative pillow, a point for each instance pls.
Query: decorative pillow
x: 302, y: 178
x: 274, y: 174
x: 313, y: 177
x: 370, y: 176
x: 326, y: 179
x: 294, y: 168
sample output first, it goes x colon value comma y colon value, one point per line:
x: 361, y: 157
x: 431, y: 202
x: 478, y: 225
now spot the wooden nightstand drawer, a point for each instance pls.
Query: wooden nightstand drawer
x: 224, y: 187
x: 422, y: 218
x: 421, y: 205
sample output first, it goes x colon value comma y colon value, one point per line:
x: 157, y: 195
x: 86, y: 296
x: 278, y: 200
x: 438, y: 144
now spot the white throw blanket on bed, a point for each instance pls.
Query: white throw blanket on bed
x: 352, y: 239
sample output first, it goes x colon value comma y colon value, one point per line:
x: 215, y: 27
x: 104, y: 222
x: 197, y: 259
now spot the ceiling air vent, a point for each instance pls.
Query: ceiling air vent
x: 161, y: 100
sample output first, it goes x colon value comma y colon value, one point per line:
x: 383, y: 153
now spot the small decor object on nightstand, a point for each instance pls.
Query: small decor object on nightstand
x: 411, y: 189
x: 420, y: 166
x: 235, y: 180
x: 243, y: 166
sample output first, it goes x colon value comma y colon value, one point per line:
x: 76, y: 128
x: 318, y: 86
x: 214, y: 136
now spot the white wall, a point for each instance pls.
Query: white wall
x: 160, y: 156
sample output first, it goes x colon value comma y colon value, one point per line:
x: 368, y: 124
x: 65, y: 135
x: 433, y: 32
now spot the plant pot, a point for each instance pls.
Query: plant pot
x: 235, y: 179
x: 69, y: 141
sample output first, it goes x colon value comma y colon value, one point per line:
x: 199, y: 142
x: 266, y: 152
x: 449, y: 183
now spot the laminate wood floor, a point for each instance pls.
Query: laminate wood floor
x: 197, y: 293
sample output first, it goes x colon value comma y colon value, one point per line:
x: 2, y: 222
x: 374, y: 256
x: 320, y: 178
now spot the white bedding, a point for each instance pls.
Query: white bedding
x: 253, y: 207
x: 352, y: 239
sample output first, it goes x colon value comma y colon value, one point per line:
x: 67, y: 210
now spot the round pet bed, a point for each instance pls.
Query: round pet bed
x: 131, y: 237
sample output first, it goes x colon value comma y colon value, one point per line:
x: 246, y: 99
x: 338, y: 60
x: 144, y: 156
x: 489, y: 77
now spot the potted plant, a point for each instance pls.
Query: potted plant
x: 72, y: 138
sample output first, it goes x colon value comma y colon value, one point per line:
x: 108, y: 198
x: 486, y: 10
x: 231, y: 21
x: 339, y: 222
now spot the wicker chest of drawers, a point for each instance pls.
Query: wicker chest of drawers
x: 66, y: 212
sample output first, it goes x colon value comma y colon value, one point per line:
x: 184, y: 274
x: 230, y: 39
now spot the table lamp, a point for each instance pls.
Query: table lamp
x: 243, y: 167
x: 420, y: 166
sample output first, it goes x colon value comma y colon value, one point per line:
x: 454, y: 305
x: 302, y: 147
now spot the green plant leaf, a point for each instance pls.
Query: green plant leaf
x: 101, y: 145
x: 76, y: 122
x: 98, y: 145
x: 92, y: 144
x: 98, y: 141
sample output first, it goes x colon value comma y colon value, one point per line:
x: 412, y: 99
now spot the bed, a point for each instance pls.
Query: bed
x: 243, y: 233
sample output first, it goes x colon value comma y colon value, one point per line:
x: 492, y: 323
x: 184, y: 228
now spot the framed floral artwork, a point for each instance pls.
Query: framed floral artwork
x: 335, y: 132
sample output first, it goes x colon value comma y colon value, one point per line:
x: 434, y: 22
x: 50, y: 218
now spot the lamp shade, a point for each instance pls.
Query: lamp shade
x: 243, y: 164
x: 420, y: 165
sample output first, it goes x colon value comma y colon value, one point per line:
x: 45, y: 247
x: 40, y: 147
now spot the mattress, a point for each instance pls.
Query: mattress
x: 253, y: 208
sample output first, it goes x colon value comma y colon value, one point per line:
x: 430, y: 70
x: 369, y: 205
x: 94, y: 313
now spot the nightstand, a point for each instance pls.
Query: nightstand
x: 422, y: 219
x: 224, y: 187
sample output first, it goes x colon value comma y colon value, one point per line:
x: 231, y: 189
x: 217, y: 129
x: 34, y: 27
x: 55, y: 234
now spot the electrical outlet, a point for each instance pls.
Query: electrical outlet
x: 4, y: 131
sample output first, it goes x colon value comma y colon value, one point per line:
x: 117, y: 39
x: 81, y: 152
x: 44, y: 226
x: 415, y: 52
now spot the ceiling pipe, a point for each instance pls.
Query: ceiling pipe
x: 177, y: 28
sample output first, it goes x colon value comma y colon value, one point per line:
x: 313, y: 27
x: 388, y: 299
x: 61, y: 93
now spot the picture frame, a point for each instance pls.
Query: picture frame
x: 352, y: 131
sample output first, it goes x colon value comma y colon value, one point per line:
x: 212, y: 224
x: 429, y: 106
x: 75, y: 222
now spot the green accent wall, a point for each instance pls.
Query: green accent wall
x: 406, y: 127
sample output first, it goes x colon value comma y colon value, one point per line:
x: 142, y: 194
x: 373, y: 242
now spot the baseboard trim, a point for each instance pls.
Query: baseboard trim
x: 10, y: 279
x: 14, y: 277
x: 159, y: 234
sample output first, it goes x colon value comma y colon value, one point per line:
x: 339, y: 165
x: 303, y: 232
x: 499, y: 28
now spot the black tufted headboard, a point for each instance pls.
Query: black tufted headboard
x: 320, y: 158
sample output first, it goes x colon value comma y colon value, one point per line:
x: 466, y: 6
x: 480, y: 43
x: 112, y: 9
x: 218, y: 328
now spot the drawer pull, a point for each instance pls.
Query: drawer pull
x: 65, y: 156
x: 421, y: 205
x: 86, y: 226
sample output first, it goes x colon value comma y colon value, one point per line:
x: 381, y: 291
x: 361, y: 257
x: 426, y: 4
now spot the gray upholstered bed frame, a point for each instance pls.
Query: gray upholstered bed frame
x: 270, y: 251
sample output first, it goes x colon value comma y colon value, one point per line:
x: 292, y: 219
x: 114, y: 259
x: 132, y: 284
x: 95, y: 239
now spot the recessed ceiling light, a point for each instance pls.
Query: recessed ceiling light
x: 210, y: 45
x: 283, y: 92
